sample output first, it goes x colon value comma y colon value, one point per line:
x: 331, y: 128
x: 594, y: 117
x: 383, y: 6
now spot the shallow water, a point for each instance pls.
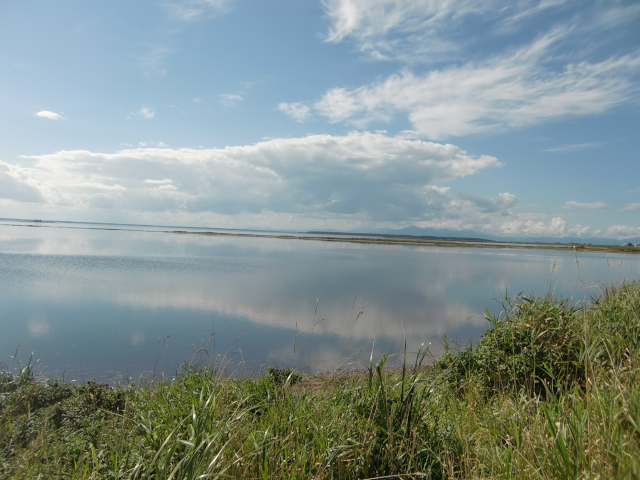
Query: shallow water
x: 94, y: 303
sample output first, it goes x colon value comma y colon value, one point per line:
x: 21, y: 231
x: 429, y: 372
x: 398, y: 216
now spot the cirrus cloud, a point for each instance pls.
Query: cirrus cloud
x: 584, y: 205
x: 513, y: 90
x: 390, y: 29
x: 417, y: 31
x: 470, y: 91
x: 190, y: 10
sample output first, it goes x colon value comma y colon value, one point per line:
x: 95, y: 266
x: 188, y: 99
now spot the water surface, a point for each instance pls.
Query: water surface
x: 94, y: 303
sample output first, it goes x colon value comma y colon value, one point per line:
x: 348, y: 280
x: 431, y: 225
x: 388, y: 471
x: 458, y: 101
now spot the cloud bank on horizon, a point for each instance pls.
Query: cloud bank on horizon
x: 510, y: 118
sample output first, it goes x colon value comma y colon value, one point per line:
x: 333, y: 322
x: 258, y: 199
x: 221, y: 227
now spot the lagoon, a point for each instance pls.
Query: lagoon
x: 132, y: 302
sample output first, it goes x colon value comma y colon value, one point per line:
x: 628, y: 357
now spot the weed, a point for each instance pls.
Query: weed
x: 550, y: 391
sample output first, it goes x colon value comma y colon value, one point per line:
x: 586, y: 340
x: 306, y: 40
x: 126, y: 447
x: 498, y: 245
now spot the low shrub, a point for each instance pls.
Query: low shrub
x: 534, y: 344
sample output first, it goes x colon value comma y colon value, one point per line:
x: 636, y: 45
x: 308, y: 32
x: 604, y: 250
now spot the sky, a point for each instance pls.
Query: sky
x: 515, y: 118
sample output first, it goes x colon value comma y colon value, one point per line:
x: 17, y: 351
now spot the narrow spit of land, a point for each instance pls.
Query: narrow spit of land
x: 372, y: 239
x: 551, y: 390
x: 433, y: 242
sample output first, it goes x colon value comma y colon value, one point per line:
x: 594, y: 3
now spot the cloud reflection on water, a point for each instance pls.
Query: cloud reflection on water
x: 104, y: 297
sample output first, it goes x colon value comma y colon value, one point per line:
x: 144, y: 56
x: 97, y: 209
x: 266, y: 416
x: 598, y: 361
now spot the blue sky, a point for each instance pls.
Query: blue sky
x: 512, y: 118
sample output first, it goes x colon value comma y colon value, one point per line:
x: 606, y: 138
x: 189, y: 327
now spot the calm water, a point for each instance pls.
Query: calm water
x: 98, y: 304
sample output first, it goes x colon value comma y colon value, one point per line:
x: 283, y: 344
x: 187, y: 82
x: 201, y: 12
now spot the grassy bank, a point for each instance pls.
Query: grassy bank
x: 550, y: 391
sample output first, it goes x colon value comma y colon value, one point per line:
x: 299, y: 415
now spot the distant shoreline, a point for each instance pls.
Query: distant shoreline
x: 418, y: 241
x: 378, y: 239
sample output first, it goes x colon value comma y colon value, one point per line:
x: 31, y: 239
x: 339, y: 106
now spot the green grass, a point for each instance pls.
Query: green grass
x: 551, y: 390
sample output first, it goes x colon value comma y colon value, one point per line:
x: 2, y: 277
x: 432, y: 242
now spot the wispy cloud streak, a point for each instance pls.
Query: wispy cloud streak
x: 584, y: 205
x: 504, y: 91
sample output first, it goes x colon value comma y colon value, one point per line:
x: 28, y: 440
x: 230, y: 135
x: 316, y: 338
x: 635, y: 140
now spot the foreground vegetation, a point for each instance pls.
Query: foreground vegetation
x: 550, y: 391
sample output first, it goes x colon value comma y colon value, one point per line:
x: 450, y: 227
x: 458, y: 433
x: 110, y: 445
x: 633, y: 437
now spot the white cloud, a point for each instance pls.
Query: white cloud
x: 314, y: 182
x: 576, y: 147
x: 557, y: 227
x: 147, y: 113
x: 158, y: 182
x: 504, y: 91
x: 502, y: 203
x: 583, y: 205
x: 230, y: 99
x: 190, y: 10
x: 526, y: 10
x: 17, y: 183
x: 404, y: 29
x: 367, y: 177
x: 630, y: 206
x: 616, y: 15
x: 440, y: 190
x: 89, y: 185
x: 474, y: 92
x: 297, y: 110
x: 423, y: 30
x: 49, y: 115
x: 623, y: 231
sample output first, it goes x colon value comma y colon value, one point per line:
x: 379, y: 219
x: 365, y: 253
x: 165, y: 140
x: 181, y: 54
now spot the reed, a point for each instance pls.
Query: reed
x: 551, y: 390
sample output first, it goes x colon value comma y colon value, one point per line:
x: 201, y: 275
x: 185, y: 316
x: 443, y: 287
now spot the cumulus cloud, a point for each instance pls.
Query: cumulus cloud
x: 361, y: 179
x: 512, y: 90
x: 49, y: 115
x: 557, y: 227
x: 230, y: 99
x: 630, y: 206
x: 623, y: 231
x: 583, y: 205
x: 297, y: 110
x: 19, y: 184
x: 147, y: 113
x: 364, y: 176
